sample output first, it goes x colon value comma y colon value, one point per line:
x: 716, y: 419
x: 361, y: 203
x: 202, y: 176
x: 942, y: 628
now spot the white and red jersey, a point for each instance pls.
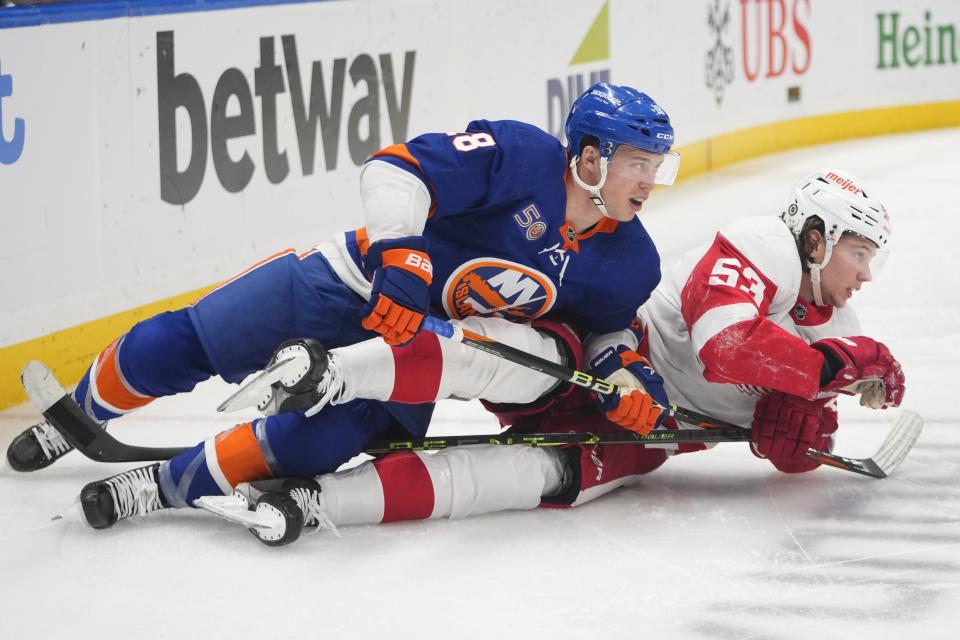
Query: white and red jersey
x: 726, y: 323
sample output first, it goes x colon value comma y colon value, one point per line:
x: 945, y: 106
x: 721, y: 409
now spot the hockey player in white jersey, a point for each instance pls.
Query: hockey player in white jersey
x: 754, y: 329
x: 757, y: 330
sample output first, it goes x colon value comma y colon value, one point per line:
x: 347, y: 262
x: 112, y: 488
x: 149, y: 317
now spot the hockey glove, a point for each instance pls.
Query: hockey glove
x: 786, y: 426
x: 861, y: 365
x: 400, y: 298
x: 641, y: 404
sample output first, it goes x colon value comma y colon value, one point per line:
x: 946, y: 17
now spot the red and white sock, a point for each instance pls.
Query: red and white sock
x: 452, y: 483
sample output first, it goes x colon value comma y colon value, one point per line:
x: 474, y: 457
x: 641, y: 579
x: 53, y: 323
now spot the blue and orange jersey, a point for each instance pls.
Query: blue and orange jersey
x: 498, y: 238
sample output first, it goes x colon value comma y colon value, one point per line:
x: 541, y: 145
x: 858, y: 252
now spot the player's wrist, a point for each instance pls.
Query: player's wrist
x: 609, y: 363
x: 411, y: 261
x: 381, y: 250
x: 832, y: 365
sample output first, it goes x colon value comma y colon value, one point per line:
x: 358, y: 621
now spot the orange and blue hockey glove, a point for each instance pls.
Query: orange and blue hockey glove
x: 400, y: 298
x: 640, y: 404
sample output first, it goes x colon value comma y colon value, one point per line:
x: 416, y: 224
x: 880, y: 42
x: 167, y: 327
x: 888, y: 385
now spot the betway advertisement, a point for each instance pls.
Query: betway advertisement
x: 142, y: 156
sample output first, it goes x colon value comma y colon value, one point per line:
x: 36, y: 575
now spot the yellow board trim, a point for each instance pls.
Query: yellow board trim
x: 69, y: 352
x: 728, y: 148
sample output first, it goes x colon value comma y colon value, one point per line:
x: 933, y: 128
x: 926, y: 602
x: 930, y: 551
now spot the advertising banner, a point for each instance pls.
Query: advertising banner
x: 152, y: 149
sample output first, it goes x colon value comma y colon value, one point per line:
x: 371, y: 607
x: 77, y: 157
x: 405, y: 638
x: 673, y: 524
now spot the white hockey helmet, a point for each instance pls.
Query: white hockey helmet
x: 844, y: 205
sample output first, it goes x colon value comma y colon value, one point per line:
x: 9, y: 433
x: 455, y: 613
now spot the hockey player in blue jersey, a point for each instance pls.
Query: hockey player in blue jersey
x: 499, y: 220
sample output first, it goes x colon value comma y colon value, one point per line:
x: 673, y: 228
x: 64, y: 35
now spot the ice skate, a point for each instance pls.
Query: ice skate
x: 135, y: 492
x: 37, y: 448
x: 275, y: 511
x: 298, y: 376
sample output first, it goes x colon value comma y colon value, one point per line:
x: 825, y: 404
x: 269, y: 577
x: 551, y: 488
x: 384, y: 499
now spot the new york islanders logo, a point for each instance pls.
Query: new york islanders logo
x: 495, y: 287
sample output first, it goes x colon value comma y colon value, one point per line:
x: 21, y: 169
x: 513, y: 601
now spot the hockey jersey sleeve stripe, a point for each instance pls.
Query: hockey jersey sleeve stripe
x: 407, y: 487
x: 396, y: 202
x: 363, y: 241
x: 397, y: 151
x: 399, y: 156
x: 108, y: 385
x: 759, y: 353
x: 717, y: 319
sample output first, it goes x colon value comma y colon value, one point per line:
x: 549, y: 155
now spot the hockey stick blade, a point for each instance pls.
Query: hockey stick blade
x: 898, y: 443
x: 880, y: 466
x: 77, y: 428
x: 904, y: 434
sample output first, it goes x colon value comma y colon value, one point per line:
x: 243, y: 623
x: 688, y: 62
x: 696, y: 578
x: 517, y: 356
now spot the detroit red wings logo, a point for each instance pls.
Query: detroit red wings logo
x: 495, y: 287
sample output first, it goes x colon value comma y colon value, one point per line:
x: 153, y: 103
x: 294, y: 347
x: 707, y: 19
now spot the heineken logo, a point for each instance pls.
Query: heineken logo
x: 902, y: 42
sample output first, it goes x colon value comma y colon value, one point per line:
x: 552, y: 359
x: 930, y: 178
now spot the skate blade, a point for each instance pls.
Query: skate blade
x: 72, y: 514
x: 235, y: 510
x: 252, y: 392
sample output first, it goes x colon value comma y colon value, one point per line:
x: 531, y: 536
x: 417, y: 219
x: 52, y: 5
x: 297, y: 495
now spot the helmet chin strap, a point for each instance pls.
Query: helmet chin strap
x: 594, y: 190
x: 815, y: 274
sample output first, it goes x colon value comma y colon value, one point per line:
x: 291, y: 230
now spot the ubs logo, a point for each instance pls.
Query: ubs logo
x: 495, y: 287
x: 11, y: 149
x: 774, y: 40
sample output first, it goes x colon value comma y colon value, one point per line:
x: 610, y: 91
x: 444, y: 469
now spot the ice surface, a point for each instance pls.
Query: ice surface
x: 715, y: 545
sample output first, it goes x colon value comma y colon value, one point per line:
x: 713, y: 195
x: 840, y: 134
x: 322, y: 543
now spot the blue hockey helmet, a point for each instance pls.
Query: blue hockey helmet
x: 616, y: 115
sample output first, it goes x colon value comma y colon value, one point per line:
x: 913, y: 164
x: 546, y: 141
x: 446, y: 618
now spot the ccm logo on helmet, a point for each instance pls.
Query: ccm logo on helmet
x: 843, y: 182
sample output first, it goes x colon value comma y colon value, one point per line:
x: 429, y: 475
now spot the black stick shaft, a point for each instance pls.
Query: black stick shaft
x: 561, y: 439
x: 587, y: 381
x: 95, y: 443
x: 573, y: 376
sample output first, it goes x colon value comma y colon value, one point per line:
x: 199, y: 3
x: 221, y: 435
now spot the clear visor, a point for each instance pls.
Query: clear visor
x: 861, y: 254
x: 637, y: 165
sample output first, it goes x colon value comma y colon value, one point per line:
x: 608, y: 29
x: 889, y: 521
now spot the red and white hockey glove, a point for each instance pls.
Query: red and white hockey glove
x: 400, y: 298
x: 785, y: 426
x: 638, y: 405
x: 861, y: 365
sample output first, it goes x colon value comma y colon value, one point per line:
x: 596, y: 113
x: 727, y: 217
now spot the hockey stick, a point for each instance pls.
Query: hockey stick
x: 573, y: 376
x: 76, y: 427
x: 90, y: 439
x: 294, y: 366
x: 275, y: 524
x: 668, y: 436
x: 899, y: 441
x: 894, y: 449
